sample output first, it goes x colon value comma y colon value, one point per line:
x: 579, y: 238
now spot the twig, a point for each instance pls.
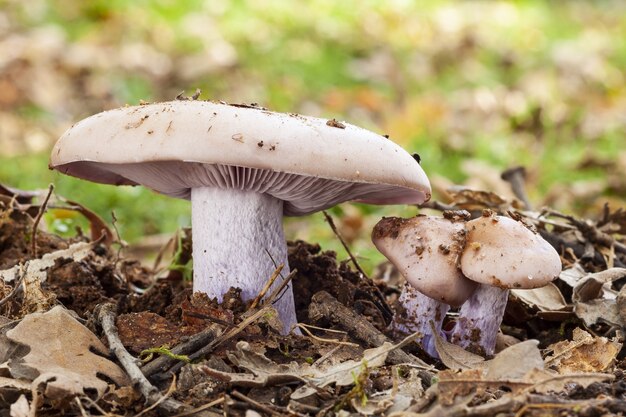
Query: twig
x: 106, y: 317
x: 325, y: 305
x: 274, y: 296
x: 321, y: 339
x: 118, y: 236
x: 161, y: 400
x: 222, y: 338
x: 203, y: 408
x: 16, y: 288
x: 266, y: 287
x: 42, y: 209
x: 255, y: 404
x: 196, y: 342
x: 331, y: 223
x: 95, y: 405
x: 80, y: 407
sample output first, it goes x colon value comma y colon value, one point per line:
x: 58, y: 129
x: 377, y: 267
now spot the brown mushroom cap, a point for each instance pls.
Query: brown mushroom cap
x: 426, y: 251
x: 504, y: 253
x: 307, y: 162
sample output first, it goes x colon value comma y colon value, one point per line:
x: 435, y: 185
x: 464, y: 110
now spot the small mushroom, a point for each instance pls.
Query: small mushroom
x: 209, y: 153
x: 500, y: 254
x: 426, y: 250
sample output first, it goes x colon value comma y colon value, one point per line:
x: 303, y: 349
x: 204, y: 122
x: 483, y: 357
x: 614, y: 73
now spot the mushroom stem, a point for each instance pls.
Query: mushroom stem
x: 238, y: 241
x: 417, y: 312
x: 479, y: 320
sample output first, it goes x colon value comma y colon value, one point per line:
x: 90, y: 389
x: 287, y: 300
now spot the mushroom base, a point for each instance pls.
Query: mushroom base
x: 418, y: 310
x: 479, y: 320
x: 238, y: 241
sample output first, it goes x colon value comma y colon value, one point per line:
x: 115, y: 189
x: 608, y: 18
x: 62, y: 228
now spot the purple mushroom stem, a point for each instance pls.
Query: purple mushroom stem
x: 238, y: 241
x: 479, y: 320
x: 416, y: 313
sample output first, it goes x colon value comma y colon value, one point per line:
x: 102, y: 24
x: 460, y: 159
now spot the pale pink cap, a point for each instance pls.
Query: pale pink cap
x: 505, y: 253
x: 426, y: 251
x: 309, y: 163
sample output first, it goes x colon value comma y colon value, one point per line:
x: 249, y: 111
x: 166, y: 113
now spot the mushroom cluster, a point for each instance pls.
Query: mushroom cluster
x: 473, y: 264
x: 243, y: 168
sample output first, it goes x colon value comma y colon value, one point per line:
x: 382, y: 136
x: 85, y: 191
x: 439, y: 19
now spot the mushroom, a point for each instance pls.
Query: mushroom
x: 243, y: 168
x: 447, y: 261
x: 426, y: 251
x: 500, y: 254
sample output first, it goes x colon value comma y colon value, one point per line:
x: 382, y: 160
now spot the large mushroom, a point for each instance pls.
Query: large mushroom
x: 243, y: 168
x: 500, y: 254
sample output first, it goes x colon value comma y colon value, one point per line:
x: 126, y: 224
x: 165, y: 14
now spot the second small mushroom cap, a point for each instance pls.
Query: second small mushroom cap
x: 426, y: 251
x: 504, y: 253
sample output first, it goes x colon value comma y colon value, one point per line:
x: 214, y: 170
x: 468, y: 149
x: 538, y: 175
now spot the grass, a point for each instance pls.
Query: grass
x: 505, y: 83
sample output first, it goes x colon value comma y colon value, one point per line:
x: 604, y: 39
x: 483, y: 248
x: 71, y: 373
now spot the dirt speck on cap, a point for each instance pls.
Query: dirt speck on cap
x: 335, y: 123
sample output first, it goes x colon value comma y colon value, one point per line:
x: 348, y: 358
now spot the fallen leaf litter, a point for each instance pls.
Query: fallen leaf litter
x: 346, y: 361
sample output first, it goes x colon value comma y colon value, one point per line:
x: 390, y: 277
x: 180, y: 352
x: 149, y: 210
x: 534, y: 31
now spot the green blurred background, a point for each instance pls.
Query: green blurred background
x: 474, y: 87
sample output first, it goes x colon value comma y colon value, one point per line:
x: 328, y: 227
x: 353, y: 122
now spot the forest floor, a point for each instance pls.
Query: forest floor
x: 85, y: 330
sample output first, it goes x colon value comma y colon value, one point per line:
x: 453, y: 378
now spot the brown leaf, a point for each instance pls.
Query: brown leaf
x: 585, y: 353
x: 265, y: 372
x: 591, y: 286
x: 546, y: 382
x: 60, y: 348
x: 515, y: 361
x: 453, y: 356
x: 99, y: 229
x: 548, y: 298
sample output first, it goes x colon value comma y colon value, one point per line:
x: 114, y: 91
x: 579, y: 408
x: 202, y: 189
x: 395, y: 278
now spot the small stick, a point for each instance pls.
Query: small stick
x: 255, y: 404
x: 203, y: 408
x: 16, y: 288
x: 321, y: 339
x: 161, y: 400
x: 42, y: 209
x: 106, y: 317
x: 221, y: 339
x: 272, y: 297
x: 196, y: 342
x: 266, y: 287
x: 343, y: 243
x: 325, y: 305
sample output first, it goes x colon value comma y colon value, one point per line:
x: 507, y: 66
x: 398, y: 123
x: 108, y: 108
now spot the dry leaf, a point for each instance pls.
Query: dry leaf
x: 453, y: 356
x: 548, y: 298
x: 34, y: 272
x: 393, y: 400
x: 597, y: 285
x: 35, y: 269
x: 585, y: 353
x: 61, y: 349
x: 546, y: 382
x: 515, y: 361
x: 468, y: 199
x: 572, y: 275
x: 265, y: 372
x: 508, y: 368
x: 594, y: 311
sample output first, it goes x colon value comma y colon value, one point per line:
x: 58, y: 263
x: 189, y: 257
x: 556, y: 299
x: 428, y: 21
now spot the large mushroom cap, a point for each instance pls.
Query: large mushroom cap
x: 426, y: 251
x: 504, y: 253
x: 308, y: 162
